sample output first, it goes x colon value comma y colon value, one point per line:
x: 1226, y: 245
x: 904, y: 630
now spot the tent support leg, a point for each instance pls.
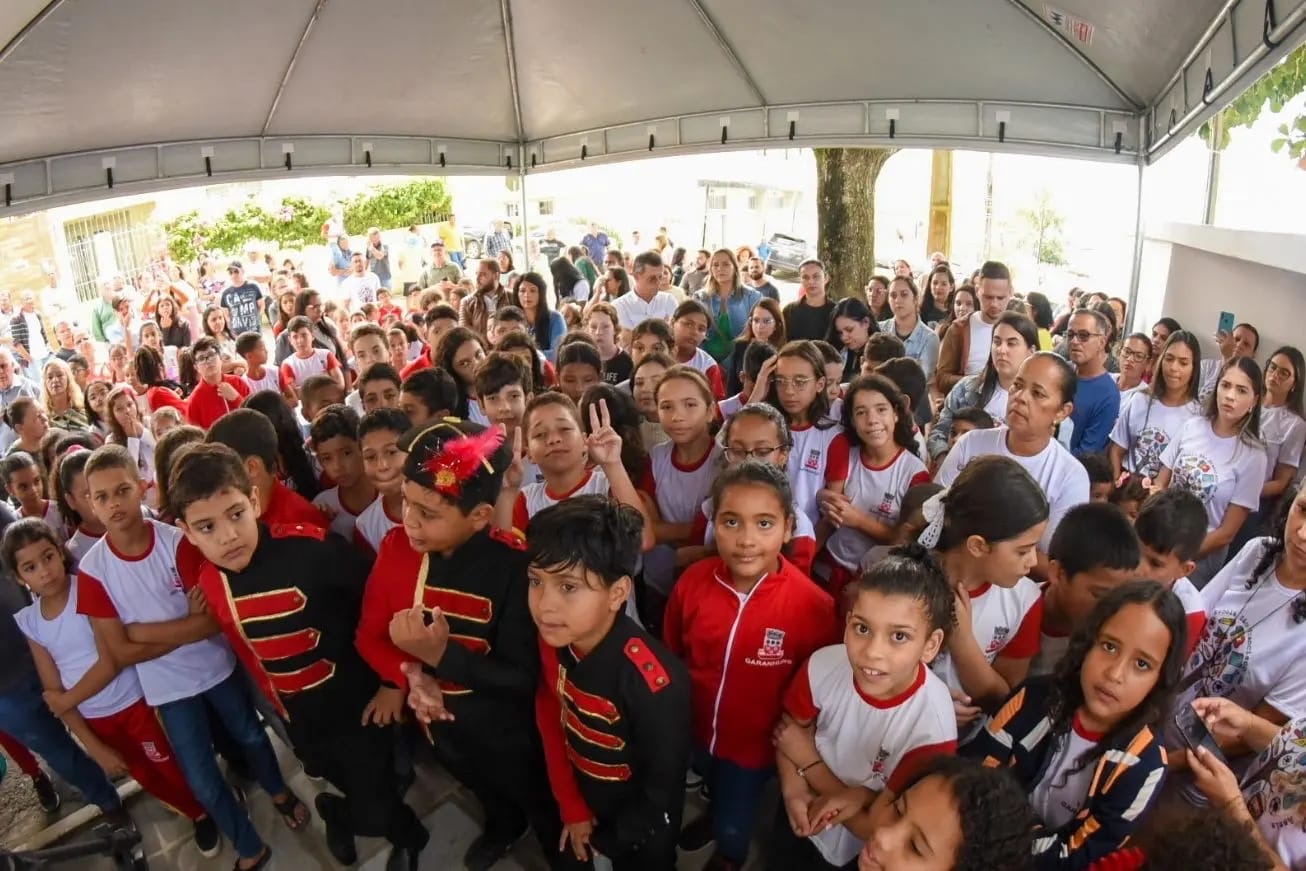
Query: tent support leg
x: 525, y: 222
x: 1136, y: 269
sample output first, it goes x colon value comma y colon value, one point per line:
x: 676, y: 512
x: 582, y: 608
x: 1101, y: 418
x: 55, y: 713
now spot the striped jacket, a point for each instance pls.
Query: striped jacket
x: 1126, y: 781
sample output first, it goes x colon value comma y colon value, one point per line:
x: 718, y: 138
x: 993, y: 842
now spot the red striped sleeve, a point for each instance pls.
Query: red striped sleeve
x: 1025, y: 642
x: 1196, y: 623
x: 92, y: 599
x: 520, y: 516
x: 798, y: 701
x: 837, y: 460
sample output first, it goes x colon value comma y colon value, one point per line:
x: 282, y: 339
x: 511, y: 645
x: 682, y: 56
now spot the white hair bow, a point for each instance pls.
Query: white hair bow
x: 933, y: 512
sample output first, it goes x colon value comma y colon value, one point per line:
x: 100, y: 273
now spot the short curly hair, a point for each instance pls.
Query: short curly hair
x: 997, y: 826
x: 1203, y: 842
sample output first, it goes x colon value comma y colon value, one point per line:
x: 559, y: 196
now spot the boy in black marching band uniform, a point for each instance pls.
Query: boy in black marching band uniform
x: 287, y: 597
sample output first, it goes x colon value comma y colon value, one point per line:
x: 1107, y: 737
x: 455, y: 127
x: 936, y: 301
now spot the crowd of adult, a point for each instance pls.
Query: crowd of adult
x: 1111, y: 516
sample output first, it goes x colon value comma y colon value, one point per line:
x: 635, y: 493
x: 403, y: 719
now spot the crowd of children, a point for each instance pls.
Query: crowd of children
x: 591, y: 581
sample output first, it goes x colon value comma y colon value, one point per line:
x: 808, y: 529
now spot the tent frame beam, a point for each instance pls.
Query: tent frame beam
x: 290, y: 66
x: 728, y: 50
x: 1079, y: 55
x: 510, y: 50
x: 12, y: 45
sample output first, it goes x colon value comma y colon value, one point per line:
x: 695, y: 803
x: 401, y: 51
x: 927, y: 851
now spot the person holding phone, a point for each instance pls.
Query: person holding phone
x: 1242, y: 340
x: 1269, y: 797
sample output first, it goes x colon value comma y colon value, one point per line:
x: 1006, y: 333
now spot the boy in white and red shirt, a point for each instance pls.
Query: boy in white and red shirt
x: 1093, y: 551
x: 556, y: 443
x: 258, y: 374
x: 333, y: 438
x: 307, y: 360
x: 689, y: 326
x: 383, y: 464
x: 1171, y: 526
x: 129, y: 585
x: 878, y: 714
x: 742, y: 622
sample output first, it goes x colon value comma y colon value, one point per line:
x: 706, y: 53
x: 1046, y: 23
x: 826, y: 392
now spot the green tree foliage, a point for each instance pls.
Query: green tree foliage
x: 1042, y: 229
x: 1274, y: 89
x: 418, y: 201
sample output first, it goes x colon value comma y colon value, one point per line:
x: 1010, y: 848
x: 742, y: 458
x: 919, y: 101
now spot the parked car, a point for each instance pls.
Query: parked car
x: 787, y: 253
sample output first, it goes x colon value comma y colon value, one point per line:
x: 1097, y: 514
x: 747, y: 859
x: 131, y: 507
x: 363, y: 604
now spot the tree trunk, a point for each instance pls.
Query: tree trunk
x: 845, y: 214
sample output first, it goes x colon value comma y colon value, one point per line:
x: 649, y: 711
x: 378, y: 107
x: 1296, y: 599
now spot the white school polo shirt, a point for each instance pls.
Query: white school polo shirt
x: 147, y: 589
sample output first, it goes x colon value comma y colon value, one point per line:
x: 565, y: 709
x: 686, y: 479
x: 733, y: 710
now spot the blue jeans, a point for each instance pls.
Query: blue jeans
x: 459, y: 258
x: 24, y: 715
x: 187, y: 725
x: 735, y: 793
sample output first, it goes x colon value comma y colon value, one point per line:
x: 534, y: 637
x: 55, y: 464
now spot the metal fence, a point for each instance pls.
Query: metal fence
x: 104, y: 244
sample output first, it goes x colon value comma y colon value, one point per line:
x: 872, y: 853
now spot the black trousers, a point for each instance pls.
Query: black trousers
x: 506, y: 773
x: 360, y: 763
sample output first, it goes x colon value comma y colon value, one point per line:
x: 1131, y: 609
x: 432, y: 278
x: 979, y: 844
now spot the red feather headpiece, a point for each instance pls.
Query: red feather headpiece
x: 460, y: 459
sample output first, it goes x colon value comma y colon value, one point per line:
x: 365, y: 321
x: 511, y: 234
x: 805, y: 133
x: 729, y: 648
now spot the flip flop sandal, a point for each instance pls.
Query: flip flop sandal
x: 289, y: 808
x: 262, y: 862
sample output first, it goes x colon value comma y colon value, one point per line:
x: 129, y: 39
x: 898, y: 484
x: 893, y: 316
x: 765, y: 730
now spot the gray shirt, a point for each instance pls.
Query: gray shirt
x: 20, y: 387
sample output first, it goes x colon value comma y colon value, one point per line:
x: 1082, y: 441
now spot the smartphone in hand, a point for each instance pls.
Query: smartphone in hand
x: 1195, y: 733
x: 1225, y: 326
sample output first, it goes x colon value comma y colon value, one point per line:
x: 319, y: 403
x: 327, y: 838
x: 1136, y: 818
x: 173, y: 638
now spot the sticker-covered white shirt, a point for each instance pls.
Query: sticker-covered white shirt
x: 1145, y: 428
x: 147, y: 589
x: 1062, y: 477
x: 70, y: 641
x: 1219, y: 471
x: 1283, y: 433
x: 1275, y: 792
x: 877, y: 743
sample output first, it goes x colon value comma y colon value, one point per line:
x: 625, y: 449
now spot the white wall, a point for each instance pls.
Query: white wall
x: 1192, y: 273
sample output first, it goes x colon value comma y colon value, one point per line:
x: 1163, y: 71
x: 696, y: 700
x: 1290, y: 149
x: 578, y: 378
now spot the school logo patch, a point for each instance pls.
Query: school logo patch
x: 813, y: 461
x: 773, y: 644
x: 877, y: 767
x: 999, y: 639
x: 152, y: 752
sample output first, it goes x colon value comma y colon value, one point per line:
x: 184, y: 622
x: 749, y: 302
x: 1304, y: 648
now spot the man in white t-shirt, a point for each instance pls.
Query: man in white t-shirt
x: 361, y: 284
x: 646, y: 300
x: 965, y: 346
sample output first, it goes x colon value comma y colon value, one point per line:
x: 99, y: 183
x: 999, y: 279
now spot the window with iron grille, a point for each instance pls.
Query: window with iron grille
x: 123, y: 248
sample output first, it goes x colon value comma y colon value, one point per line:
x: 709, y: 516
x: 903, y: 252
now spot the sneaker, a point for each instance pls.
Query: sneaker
x: 487, y: 850
x: 46, y: 793
x: 697, y: 834
x: 207, y: 840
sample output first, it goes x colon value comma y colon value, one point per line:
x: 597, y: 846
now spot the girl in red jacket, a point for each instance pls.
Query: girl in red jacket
x: 742, y: 622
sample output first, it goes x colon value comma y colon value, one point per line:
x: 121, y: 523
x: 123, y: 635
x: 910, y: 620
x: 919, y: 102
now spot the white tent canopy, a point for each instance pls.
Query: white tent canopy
x: 108, y: 97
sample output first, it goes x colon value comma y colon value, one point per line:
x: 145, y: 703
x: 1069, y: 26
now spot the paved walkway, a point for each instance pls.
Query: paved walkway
x: 449, y: 812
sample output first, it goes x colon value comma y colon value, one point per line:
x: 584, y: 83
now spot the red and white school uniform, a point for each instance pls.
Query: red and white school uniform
x: 728, y: 407
x: 117, y: 714
x: 273, y: 379
x: 373, y: 524
x: 50, y: 514
x: 1194, y: 611
x: 79, y: 543
x: 285, y: 507
x: 808, y: 460
x: 876, y: 490
x: 534, y: 498
x: 799, y: 550
x: 876, y: 743
x: 1006, y: 622
x: 741, y: 650
x: 296, y: 369
x: 679, y: 489
x: 703, y: 362
x: 148, y: 589
x: 343, y: 520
